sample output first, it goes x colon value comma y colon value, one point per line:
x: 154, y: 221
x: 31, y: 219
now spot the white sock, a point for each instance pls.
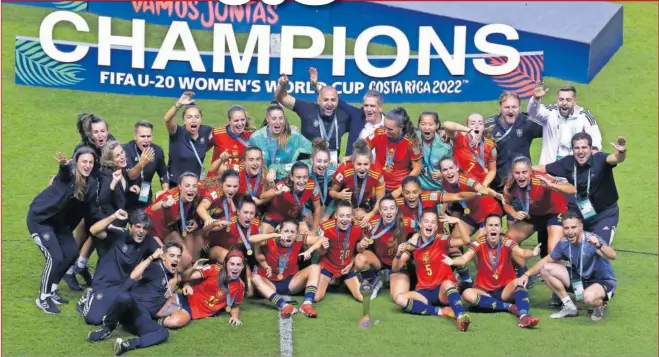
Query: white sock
x: 70, y: 271
x: 306, y: 302
x: 82, y: 262
x: 54, y: 287
x: 568, y: 302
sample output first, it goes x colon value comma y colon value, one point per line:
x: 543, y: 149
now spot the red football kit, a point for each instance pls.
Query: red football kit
x: 430, y: 269
x: 474, y: 160
x: 384, y: 244
x: 232, y: 238
x: 168, y: 220
x: 495, y: 267
x: 428, y: 200
x: 342, y: 246
x: 235, y: 145
x: 477, y: 208
x: 535, y: 198
x: 208, y: 298
x: 394, y: 156
x: 282, y: 261
x: 345, y: 176
x: 286, y: 206
x: 252, y: 185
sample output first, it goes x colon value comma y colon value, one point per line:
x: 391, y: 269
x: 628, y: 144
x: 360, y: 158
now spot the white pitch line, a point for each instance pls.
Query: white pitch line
x: 286, y: 334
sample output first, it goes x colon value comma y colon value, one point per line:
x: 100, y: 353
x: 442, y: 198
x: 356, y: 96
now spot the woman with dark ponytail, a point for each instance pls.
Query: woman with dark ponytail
x: 385, y: 232
x: 397, y: 149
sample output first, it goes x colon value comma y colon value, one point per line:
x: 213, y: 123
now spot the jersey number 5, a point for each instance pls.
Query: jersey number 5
x: 428, y: 270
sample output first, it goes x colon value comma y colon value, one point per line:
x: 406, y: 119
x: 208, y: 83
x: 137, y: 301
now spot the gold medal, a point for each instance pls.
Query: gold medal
x: 228, y: 309
x: 280, y: 276
x: 495, y: 276
x: 467, y: 211
x: 370, y: 241
x: 249, y: 252
x: 185, y: 233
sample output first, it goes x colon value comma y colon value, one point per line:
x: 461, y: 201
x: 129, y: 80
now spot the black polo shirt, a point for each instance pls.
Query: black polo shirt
x: 311, y: 120
x: 511, y: 142
x: 158, y: 165
x: 603, y: 191
x: 150, y: 291
x: 181, y: 155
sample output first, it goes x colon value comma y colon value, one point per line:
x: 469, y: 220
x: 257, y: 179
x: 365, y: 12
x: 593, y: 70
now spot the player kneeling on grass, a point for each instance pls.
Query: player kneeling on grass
x: 281, y: 251
x: 496, y: 282
x: 436, y: 281
x: 345, y: 239
x: 590, y: 275
x: 216, y: 288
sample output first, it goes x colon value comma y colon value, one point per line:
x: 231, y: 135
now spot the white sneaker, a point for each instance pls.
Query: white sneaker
x: 598, y: 313
x: 565, y: 312
x: 376, y: 289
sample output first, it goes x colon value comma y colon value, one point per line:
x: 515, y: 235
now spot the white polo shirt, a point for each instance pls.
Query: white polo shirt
x: 557, y: 131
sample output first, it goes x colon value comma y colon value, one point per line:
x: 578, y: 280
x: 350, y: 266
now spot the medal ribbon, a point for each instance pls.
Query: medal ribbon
x: 242, y: 235
x: 495, y: 263
x: 334, y: 127
x: 237, y: 137
x: 480, y: 159
x: 525, y: 204
x: 283, y: 259
x: 346, y: 240
x: 384, y: 230
x: 430, y: 241
x: 574, y: 175
x: 323, y: 192
x: 392, y: 152
x: 253, y: 191
x: 360, y: 197
x: 303, y: 209
x: 230, y: 299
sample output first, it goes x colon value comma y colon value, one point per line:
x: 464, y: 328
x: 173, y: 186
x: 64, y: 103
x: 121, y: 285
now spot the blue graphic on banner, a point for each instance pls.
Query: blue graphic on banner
x: 34, y: 68
x: 76, y: 6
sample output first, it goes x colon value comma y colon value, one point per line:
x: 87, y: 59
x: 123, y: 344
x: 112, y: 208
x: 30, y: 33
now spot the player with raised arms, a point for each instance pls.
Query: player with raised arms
x: 436, y: 281
x: 337, y: 262
x: 386, y: 231
x: 322, y: 170
x: 475, y: 154
x: 288, y: 200
x: 413, y: 200
x: 359, y: 181
x: 278, y: 274
x: 496, y: 282
x: 211, y: 289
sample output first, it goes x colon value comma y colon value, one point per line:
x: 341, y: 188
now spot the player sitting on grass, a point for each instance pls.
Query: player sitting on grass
x: 436, y: 281
x: 496, y: 282
x: 280, y: 251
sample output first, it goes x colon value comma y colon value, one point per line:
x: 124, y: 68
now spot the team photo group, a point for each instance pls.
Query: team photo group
x: 251, y: 208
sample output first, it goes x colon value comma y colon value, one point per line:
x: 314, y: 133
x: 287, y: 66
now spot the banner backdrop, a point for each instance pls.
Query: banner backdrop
x: 34, y: 68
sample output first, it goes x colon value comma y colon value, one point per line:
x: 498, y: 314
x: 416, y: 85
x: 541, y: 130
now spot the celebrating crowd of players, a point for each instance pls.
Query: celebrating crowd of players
x: 282, y: 212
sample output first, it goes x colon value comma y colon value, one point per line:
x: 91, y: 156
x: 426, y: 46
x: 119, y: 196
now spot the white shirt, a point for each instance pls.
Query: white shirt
x: 558, y: 131
x: 370, y: 128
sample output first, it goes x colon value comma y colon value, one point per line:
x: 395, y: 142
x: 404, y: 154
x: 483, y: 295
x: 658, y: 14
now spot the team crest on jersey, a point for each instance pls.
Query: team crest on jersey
x: 433, y: 196
x: 99, y: 296
x: 164, y: 281
x: 46, y: 236
x: 508, y: 243
x: 519, y: 133
x: 124, y: 248
x: 316, y: 123
x: 202, y: 140
x: 426, y: 258
x: 214, y: 195
x: 415, y: 149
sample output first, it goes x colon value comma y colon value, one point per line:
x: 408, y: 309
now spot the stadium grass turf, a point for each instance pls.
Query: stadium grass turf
x: 39, y: 122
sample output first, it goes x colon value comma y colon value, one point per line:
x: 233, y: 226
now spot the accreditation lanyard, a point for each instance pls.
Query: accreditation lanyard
x: 139, y: 157
x: 237, y: 137
x: 252, y: 191
x: 323, y: 192
x: 333, y: 131
x: 569, y: 247
x: 169, y: 290
x: 574, y: 175
x: 361, y: 190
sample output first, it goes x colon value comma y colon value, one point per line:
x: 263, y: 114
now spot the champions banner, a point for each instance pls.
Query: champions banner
x: 34, y: 68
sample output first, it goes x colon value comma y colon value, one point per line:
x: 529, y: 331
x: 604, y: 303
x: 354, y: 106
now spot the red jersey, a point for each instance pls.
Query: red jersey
x: 394, y: 156
x: 477, y: 208
x: 251, y: 184
x: 345, y: 177
x: 282, y: 261
x: 474, y: 160
x: 168, y: 219
x: 384, y: 244
x: 342, y: 246
x: 232, y: 238
x: 430, y: 269
x: 428, y: 200
x: 208, y: 298
x: 539, y: 200
x: 285, y: 206
x: 495, y: 267
x: 225, y: 140
x: 220, y: 207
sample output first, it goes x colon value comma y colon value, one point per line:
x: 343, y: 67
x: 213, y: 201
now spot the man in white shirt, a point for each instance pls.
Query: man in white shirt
x: 561, y: 121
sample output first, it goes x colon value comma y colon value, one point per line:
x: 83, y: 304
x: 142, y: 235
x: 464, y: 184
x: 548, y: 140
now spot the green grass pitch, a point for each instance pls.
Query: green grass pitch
x: 38, y: 122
